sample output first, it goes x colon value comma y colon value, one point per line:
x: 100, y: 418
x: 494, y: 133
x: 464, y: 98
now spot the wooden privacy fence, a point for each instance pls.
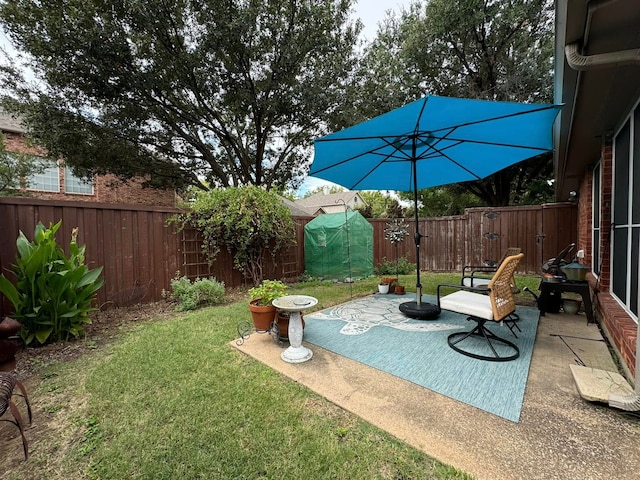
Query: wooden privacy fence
x: 138, y: 252
x: 483, y: 234
x: 141, y: 254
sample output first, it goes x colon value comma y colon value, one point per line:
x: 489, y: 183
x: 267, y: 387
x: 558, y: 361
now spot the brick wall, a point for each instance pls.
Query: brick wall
x: 618, y: 326
x: 109, y: 189
x: 606, y: 162
x: 585, y: 218
x: 15, y: 142
x: 106, y: 189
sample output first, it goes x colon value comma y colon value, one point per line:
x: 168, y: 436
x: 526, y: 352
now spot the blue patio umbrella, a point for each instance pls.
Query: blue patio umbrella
x: 430, y: 142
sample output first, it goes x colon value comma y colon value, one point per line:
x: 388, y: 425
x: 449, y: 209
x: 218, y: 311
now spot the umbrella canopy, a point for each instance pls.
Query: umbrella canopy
x: 433, y: 141
x: 442, y: 140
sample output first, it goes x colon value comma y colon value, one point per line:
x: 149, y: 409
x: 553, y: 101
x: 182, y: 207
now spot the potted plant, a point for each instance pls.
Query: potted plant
x: 262, y: 310
x: 282, y: 320
x: 390, y: 283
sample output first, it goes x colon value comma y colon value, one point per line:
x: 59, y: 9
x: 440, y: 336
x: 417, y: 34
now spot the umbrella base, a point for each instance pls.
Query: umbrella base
x: 424, y: 311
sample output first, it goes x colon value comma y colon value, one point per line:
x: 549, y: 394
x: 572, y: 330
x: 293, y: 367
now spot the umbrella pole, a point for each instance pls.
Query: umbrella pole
x: 417, y: 309
x: 417, y: 235
x: 417, y: 238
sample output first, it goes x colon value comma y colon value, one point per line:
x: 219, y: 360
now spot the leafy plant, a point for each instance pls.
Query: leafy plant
x: 192, y: 295
x: 268, y: 291
x: 248, y: 221
x: 401, y: 266
x: 53, y: 292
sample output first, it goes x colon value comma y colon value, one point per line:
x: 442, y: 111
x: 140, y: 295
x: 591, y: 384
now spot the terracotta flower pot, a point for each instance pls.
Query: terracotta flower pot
x: 282, y: 319
x: 399, y: 290
x: 263, y: 315
x: 9, y: 327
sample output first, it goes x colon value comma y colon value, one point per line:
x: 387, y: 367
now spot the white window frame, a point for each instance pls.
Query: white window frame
x: 624, y: 229
x: 43, y: 182
x: 74, y: 185
x: 596, y: 218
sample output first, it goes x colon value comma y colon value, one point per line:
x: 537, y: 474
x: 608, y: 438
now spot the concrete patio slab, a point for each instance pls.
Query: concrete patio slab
x: 596, y: 385
x: 559, y: 436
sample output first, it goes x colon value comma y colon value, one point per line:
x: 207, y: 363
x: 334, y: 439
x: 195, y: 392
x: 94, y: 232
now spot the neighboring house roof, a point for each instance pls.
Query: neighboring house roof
x: 295, y: 210
x: 596, y: 78
x: 329, y: 203
x: 10, y: 123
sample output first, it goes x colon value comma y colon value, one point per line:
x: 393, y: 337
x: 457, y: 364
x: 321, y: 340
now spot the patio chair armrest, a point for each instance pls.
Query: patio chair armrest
x: 479, y: 268
x: 475, y: 281
x: 473, y: 269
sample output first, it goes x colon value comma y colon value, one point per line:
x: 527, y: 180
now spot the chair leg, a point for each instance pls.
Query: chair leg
x: 510, y: 322
x: 18, y: 423
x: 26, y: 398
x: 7, y: 384
x: 481, y: 331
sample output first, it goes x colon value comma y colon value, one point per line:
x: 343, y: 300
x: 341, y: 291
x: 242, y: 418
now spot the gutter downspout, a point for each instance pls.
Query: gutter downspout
x: 631, y: 402
x: 603, y: 60
x: 582, y: 63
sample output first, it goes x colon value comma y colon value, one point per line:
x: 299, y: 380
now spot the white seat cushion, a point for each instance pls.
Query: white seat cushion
x: 468, y: 303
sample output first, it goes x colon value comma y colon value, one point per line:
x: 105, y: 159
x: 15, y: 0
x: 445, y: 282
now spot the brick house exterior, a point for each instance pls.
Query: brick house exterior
x: 597, y: 155
x: 106, y: 189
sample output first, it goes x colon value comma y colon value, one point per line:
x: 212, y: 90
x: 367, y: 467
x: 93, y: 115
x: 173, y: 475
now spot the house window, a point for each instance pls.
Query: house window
x: 46, y: 181
x: 10, y: 180
x: 73, y: 184
x: 597, y: 190
x: 625, y: 243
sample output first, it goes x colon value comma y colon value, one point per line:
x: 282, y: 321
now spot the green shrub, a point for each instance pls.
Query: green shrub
x: 53, y: 292
x: 192, y: 295
x: 247, y: 221
x: 388, y: 267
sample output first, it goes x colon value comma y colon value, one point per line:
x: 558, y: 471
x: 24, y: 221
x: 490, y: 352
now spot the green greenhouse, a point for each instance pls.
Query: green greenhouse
x: 339, y: 246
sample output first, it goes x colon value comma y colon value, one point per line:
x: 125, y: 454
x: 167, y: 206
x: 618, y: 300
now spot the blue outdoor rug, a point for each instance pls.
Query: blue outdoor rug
x: 372, y: 331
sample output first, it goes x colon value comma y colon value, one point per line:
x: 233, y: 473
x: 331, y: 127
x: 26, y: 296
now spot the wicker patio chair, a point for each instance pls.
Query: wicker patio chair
x: 480, y: 275
x: 495, y: 303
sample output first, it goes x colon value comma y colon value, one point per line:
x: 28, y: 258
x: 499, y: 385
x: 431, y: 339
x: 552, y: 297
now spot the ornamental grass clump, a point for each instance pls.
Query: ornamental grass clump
x: 53, y: 292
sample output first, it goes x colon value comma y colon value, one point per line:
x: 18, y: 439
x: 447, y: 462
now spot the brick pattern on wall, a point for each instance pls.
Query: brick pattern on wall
x: 585, y: 218
x: 617, y: 324
x: 106, y: 189
x: 15, y: 142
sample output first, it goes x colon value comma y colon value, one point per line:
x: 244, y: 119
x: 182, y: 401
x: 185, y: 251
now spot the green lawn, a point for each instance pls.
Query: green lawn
x: 172, y: 399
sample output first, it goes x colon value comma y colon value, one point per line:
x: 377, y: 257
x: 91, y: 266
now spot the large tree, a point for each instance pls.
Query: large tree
x: 486, y: 49
x: 200, y: 92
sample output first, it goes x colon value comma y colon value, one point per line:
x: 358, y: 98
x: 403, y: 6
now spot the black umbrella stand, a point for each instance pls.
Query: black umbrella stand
x: 419, y: 310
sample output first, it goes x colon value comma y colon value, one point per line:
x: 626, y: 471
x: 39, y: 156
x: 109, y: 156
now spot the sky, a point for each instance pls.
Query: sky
x: 370, y: 12
x: 373, y: 11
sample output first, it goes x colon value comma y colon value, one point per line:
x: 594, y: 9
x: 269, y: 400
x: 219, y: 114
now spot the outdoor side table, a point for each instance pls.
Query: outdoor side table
x: 295, y: 304
x: 581, y: 288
